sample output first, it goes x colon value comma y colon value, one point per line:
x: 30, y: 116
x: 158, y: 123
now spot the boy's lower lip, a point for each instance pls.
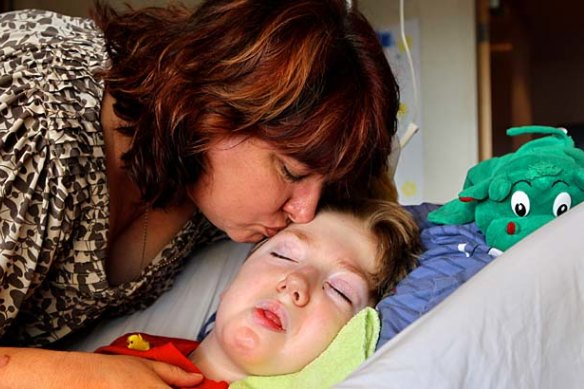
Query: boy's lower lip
x: 267, y: 319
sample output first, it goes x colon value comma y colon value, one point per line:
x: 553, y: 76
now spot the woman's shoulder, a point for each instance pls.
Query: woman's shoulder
x: 38, y: 19
x: 33, y: 29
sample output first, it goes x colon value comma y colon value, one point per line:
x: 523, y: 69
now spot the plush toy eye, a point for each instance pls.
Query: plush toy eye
x: 520, y: 203
x: 562, y: 203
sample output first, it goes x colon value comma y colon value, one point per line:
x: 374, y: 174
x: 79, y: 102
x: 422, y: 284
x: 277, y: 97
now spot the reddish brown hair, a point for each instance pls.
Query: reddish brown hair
x: 308, y: 76
x: 397, y: 236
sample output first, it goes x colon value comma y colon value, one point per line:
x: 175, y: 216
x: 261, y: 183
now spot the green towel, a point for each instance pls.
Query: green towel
x: 353, y: 344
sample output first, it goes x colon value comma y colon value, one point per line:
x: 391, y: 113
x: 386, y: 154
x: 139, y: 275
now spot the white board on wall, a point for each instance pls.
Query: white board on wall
x: 447, y: 60
x: 409, y: 176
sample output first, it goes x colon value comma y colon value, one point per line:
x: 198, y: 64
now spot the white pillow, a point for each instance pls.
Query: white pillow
x: 517, y: 324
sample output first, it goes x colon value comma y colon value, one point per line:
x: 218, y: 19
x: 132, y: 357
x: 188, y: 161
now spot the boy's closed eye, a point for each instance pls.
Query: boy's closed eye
x: 339, y: 291
x: 275, y: 254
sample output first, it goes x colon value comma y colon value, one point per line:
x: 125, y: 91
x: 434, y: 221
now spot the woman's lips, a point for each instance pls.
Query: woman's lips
x: 271, y: 231
x: 271, y: 315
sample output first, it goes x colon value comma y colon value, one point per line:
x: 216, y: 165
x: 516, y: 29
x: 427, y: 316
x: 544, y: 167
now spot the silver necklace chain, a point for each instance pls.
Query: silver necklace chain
x: 145, y: 236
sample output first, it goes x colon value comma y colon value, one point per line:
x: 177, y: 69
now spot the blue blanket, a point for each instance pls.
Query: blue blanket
x: 453, y: 254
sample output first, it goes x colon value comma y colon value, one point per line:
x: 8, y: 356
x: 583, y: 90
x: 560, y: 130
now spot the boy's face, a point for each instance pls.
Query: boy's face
x: 294, y: 293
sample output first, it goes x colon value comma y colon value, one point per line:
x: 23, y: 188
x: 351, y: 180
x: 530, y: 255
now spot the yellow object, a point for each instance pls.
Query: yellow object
x: 402, y: 46
x: 409, y: 188
x: 136, y: 342
x: 403, y: 110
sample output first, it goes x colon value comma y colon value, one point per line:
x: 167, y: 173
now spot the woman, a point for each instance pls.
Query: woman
x: 126, y: 145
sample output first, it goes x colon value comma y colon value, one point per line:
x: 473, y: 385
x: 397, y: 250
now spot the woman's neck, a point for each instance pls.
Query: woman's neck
x: 214, y: 362
x: 136, y: 233
x: 125, y: 203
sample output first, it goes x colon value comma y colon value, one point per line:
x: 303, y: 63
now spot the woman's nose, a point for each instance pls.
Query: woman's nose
x: 301, y: 207
x: 297, y: 286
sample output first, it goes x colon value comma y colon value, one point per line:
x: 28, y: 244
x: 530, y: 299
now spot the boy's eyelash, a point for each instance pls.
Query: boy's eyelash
x: 338, y: 291
x: 275, y: 254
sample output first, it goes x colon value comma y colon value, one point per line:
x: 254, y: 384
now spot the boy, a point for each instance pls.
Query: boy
x: 295, y: 292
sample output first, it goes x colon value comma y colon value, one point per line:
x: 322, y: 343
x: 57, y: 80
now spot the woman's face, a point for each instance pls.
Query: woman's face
x: 250, y: 190
x: 294, y: 293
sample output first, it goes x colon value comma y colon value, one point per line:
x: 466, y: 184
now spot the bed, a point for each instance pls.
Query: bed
x: 466, y: 318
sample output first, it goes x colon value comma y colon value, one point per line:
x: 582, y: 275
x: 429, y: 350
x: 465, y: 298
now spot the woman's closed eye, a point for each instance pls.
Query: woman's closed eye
x: 289, y: 175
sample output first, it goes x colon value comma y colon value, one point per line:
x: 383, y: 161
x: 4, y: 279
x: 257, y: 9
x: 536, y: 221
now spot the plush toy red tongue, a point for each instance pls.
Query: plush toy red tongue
x: 511, y: 228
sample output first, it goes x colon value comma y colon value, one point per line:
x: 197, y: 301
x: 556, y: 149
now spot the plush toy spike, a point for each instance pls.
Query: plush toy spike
x: 577, y: 155
x: 579, y: 178
x: 559, y: 136
x: 499, y: 188
x: 544, y: 130
x: 509, y: 197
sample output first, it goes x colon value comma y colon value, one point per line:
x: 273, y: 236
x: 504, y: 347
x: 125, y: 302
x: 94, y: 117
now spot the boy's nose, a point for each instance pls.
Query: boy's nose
x: 297, y: 286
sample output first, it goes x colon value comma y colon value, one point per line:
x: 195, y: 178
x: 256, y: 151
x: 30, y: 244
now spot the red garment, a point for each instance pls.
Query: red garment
x: 174, y: 351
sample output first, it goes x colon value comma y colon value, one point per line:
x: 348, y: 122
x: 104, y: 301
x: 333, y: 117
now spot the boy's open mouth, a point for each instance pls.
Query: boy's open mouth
x: 270, y: 316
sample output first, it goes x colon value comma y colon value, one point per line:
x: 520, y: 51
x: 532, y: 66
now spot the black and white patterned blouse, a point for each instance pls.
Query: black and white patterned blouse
x: 53, y: 193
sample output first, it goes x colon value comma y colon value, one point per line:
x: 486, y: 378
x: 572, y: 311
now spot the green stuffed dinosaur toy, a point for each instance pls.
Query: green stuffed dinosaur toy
x: 511, y: 196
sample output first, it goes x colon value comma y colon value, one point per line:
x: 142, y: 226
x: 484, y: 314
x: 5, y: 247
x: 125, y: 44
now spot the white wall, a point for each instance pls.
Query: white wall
x: 448, y: 87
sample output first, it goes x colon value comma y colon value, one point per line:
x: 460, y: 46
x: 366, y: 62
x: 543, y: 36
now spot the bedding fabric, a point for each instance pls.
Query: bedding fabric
x: 453, y: 254
x: 516, y: 324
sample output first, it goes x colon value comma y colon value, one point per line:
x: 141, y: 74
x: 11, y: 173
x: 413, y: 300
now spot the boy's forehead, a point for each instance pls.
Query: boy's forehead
x: 329, y: 221
x: 342, y: 237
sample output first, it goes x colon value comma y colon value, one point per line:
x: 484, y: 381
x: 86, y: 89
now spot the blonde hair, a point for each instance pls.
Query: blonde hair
x: 397, y: 236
